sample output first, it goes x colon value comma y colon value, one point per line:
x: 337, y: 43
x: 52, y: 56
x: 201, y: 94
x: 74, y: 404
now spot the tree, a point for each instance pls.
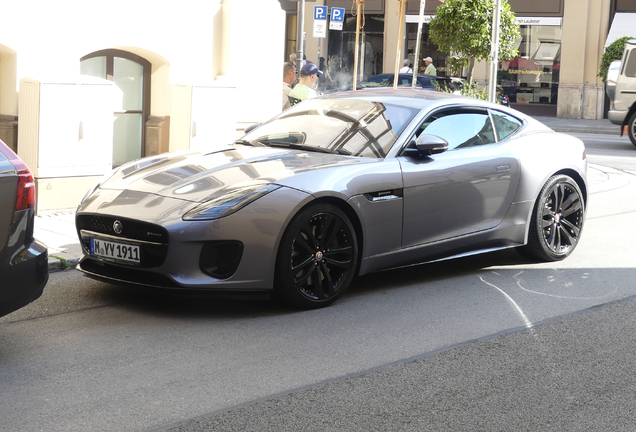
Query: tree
x: 612, y: 52
x: 463, y: 28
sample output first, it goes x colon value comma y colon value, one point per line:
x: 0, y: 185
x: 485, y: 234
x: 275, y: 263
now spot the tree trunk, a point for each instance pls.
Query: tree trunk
x: 471, y: 69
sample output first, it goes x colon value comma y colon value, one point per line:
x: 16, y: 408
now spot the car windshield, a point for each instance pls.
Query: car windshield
x: 342, y: 126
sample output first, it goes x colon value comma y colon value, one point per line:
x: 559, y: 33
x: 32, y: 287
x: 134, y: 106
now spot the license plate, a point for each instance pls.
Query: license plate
x: 117, y: 251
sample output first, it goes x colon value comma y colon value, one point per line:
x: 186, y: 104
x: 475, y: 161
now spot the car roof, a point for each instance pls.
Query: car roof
x: 407, y: 97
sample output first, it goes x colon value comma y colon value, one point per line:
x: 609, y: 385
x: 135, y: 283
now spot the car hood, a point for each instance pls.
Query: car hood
x: 197, y: 177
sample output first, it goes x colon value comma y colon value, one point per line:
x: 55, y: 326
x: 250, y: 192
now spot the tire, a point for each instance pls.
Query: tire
x: 557, y: 220
x: 317, y: 257
x: 631, y: 128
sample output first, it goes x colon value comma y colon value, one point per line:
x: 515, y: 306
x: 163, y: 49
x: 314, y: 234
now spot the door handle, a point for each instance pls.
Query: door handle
x: 501, y: 168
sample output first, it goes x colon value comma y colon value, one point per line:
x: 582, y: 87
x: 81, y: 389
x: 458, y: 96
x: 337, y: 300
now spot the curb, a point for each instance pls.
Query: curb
x: 61, y: 264
x: 590, y: 131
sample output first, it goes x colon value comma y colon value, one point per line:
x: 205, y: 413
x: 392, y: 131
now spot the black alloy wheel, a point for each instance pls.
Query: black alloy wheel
x: 631, y: 128
x: 317, y: 258
x: 557, y: 220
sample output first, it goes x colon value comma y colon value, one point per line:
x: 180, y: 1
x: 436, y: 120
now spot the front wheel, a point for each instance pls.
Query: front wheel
x: 317, y: 257
x: 557, y: 220
x: 631, y: 128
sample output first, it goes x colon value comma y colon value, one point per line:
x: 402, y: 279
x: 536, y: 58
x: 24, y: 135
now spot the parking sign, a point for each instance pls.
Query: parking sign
x: 320, y: 21
x: 320, y: 13
x: 337, y: 18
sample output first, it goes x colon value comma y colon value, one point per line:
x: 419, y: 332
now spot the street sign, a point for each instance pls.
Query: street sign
x: 320, y: 21
x: 337, y: 18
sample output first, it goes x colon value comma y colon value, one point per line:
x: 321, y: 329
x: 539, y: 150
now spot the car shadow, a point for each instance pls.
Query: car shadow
x: 195, y: 305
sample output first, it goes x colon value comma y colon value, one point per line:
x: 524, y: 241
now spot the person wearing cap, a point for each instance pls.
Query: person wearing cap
x: 407, y: 67
x: 305, y: 89
x: 430, y: 69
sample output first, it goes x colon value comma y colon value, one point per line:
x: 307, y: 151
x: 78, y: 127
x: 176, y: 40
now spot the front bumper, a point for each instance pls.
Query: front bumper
x: 258, y: 227
x: 617, y: 117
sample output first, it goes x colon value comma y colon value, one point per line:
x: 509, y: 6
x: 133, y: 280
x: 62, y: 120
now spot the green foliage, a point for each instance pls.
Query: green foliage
x: 464, y: 29
x: 612, y: 52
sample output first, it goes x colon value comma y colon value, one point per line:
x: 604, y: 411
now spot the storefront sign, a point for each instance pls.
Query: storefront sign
x: 540, y: 21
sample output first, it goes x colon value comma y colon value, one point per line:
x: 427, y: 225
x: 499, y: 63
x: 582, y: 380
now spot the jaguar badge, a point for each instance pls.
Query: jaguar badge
x: 118, y: 227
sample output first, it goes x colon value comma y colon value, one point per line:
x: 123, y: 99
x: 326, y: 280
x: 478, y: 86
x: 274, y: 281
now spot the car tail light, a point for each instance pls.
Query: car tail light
x: 25, y: 193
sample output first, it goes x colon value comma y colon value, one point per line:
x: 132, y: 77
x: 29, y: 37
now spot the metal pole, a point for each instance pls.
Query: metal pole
x: 300, y: 31
x: 418, y: 41
x: 494, y: 55
x: 359, y: 4
x: 399, y: 43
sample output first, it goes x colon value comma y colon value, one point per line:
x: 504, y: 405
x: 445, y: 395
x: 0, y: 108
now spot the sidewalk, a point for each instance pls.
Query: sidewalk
x: 57, y: 230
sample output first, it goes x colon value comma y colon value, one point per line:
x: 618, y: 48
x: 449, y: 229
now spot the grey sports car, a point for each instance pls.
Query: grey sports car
x: 335, y: 187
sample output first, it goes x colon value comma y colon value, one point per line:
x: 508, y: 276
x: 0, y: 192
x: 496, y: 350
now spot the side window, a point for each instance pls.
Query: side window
x: 504, y: 124
x: 460, y: 128
x: 404, y: 81
x: 630, y: 67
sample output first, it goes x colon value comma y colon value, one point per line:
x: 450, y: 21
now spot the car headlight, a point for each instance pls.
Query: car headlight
x: 229, y: 203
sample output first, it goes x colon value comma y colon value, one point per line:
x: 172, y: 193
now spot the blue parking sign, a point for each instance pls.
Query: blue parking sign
x: 337, y: 18
x: 320, y: 13
x: 337, y: 14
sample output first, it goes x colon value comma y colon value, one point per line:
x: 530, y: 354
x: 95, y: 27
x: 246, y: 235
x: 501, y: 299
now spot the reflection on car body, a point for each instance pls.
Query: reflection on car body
x: 338, y: 186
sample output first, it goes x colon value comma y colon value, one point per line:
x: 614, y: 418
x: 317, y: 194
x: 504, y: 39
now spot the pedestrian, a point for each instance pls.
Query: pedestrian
x: 289, y: 78
x: 305, y: 89
x: 430, y: 69
x: 407, y: 67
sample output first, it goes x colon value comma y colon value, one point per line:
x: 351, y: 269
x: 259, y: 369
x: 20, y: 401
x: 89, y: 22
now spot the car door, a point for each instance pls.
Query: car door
x: 467, y: 188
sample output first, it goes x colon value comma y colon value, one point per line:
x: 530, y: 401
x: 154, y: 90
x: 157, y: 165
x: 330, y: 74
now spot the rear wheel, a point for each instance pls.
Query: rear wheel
x: 631, y: 128
x: 557, y: 220
x: 317, y: 257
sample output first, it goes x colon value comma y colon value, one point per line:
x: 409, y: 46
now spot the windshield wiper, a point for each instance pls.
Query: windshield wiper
x: 249, y: 143
x: 304, y: 147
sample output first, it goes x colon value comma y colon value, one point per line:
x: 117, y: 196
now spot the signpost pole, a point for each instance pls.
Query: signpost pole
x: 494, y: 56
x: 359, y: 4
x: 398, y: 55
x: 418, y: 42
x: 300, y: 27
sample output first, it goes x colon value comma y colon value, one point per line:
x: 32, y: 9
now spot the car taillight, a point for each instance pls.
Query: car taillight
x: 25, y: 193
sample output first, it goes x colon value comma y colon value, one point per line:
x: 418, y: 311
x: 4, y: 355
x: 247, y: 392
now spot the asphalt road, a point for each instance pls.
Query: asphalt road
x: 488, y: 343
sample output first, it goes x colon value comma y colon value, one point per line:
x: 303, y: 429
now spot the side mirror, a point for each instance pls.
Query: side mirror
x: 250, y: 128
x: 431, y: 144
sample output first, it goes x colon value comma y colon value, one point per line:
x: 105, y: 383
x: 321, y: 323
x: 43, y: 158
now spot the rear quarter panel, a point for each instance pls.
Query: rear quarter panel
x: 542, y: 154
x: 8, y: 184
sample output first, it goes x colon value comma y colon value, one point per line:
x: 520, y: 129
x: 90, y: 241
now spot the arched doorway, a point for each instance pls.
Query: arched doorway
x: 131, y: 74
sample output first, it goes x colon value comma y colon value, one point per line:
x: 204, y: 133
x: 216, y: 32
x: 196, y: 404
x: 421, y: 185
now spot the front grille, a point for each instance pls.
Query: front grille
x: 152, y: 255
x: 132, y: 229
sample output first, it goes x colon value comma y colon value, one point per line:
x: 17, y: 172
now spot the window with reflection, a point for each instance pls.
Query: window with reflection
x: 460, y: 128
x: 343, y: 126
x: 505, y: 124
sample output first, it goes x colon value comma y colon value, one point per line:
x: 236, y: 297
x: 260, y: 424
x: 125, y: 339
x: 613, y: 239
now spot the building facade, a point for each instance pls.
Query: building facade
x: 560, y: 49
x: 85, y: 87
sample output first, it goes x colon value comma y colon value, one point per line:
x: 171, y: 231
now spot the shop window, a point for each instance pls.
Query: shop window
x: 533, y: 76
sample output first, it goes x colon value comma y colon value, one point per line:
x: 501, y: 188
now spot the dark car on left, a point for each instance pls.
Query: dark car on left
x: 23, y: 260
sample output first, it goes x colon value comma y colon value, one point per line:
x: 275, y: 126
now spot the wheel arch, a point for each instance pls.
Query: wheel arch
x: 579, y: 181
x: 348, y: 211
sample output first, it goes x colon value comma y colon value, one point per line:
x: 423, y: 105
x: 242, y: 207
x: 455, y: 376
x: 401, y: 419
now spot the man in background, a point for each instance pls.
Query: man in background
x: 430, y: 69
x: 305, y: 89
x: 289, y: 78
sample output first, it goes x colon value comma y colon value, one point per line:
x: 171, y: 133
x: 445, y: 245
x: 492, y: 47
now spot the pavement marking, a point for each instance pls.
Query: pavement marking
x: 514, y: 304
